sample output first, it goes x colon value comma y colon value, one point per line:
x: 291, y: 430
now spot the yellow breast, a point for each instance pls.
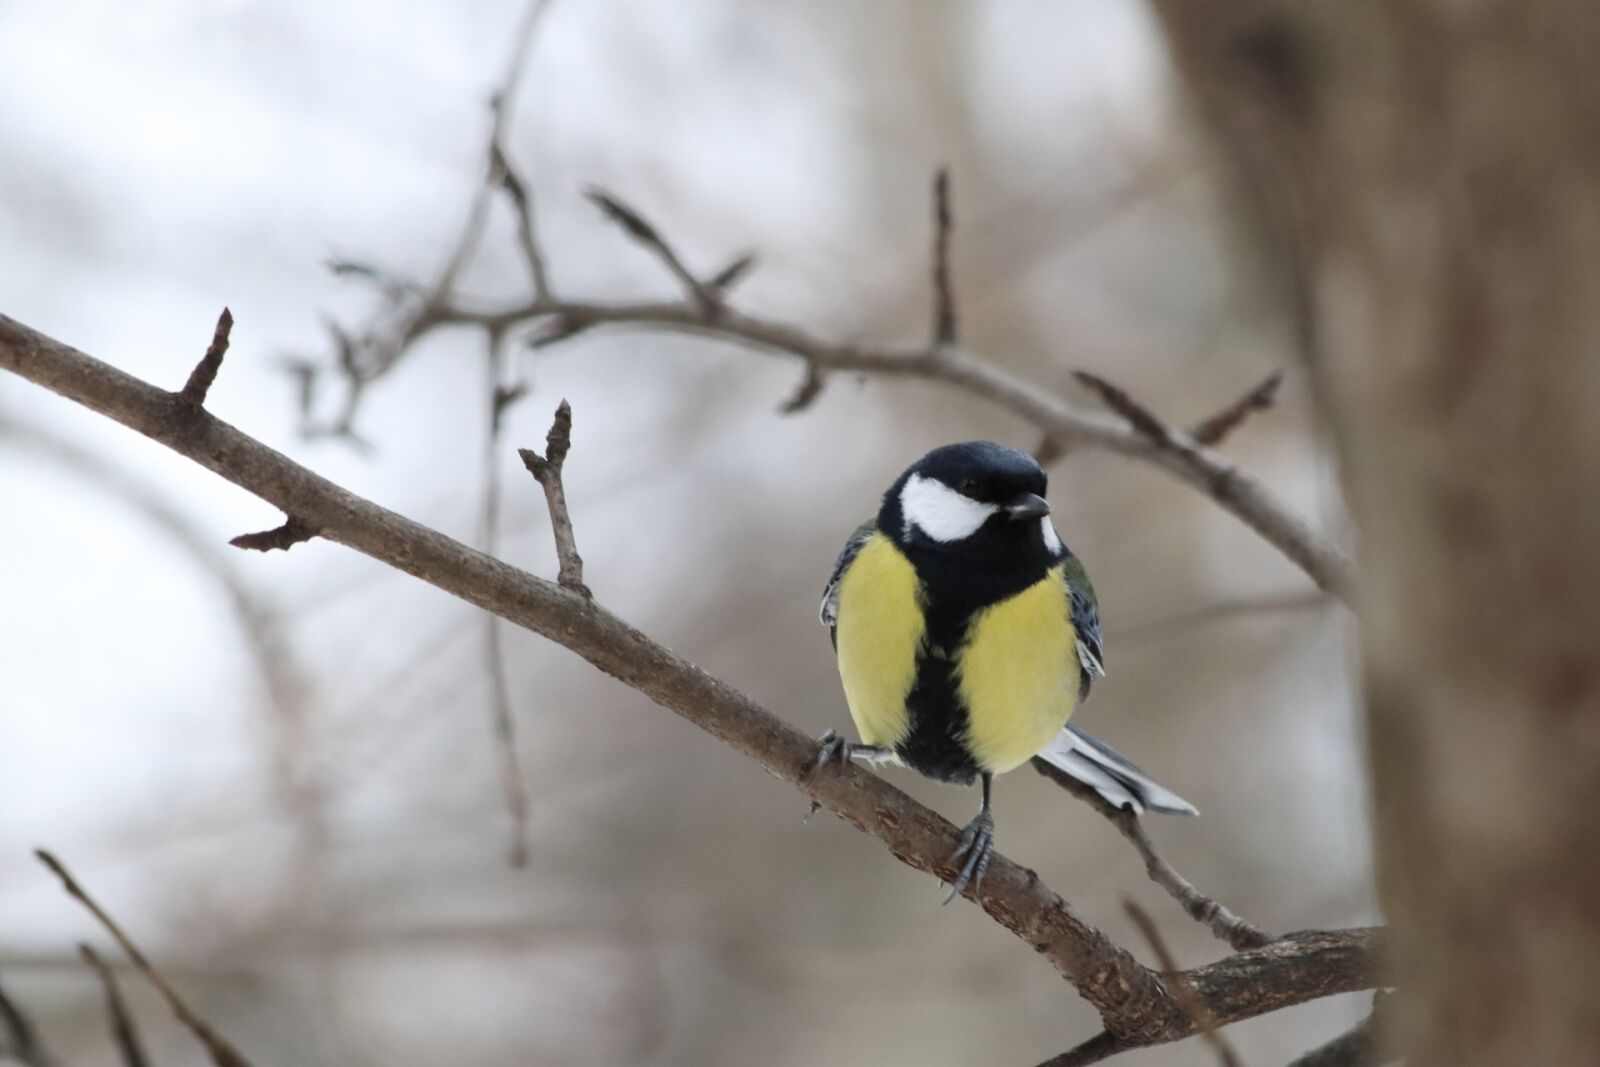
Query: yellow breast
x: 1018, y: 674
x: 879, y: 635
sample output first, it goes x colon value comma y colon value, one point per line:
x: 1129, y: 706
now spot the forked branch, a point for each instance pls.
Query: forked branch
x: 546, y: 469
x: 222, y: 1053
x: 1224, y: 924
x: 704, y: 310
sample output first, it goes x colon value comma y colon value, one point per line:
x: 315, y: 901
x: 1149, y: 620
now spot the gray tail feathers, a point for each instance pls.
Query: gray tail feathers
x: 1108, y: 773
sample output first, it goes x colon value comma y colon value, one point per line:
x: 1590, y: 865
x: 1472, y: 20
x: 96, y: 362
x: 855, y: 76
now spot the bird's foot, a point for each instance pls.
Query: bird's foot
x: 836, y: 750
x: 977, y: 845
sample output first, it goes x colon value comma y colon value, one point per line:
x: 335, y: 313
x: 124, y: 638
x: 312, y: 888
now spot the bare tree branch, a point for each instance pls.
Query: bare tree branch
x: 502, y: 394
x: 411, y: 311
x: 1101, y: 1046
x: 205, y: 372
x: 122, y: 1029
x: 1214, y: 430
x: 19, y: 1038
x: 1223, y: 924
x: 944, y: 297
x: 636, y: 226
x: 408, y: 309
x: 501, y: 102
x: 1360, y: 1046
x: 547, y: 470
x: 1182, y: 992
x: 503, y: 717
x: 1067, y: 426
x: 1134, y: 413
x: 1131, y: 999
x: 221, y: 1052
x: 282, y: 538
x: 806, y: 393
x: 505, y: 174
x: 1049, y: 450
x: 705, y: 312
x: 1221, y: 611
x: 725, y: 279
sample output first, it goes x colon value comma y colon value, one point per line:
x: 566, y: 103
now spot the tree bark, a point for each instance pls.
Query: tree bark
x: 1427, y: 176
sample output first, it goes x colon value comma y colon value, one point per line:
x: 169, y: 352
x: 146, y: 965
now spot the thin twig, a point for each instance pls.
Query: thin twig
x: 1223, y: 924
x: 1132, y: 1001
x: 636, y: 226
x: 512, y: 784
x: 409, y: 310
x: 501, y: 102
x: 282, y: 538
x: 944, y: 297
x: 371, y: 351
x: 222, y: 1053
x: 1214, y: 430
x: 1101, y: 1046
x: 1191, y: 1002
x: 19, y: 1038
x: 1136, y: 414
x: 1360, y: 1046
x: 122, y: 1028
x: 1066, y: 425
x: 547, y: 470
x: 501, y: 396
x: 205, y: 372
x: 724, y: 280
x: 1221, y: 611
x: 806, y: 392
x: 522, y: 204
x: 1231, y: 489
x: 1049, y: 450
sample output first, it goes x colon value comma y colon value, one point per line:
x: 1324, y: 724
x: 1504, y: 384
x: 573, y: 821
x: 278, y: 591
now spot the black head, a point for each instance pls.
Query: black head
x: 978, y: 504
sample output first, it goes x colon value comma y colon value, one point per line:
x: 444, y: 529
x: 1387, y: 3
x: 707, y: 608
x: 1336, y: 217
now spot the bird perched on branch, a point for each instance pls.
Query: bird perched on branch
x: 967, y: 634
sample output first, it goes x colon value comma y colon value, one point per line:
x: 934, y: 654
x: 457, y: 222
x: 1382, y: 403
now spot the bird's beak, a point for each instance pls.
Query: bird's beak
x: 1027, y: 506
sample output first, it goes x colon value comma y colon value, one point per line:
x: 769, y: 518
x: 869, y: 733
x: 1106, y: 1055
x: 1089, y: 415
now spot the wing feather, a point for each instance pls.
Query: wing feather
x: 1086, y: 623
x: 829, y: 611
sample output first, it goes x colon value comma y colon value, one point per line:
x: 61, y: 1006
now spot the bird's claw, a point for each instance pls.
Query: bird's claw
x: 835, y: 749
x: 977, y: 845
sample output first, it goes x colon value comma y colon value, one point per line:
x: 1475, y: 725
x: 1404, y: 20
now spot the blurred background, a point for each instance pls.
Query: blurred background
x: 279, y: 771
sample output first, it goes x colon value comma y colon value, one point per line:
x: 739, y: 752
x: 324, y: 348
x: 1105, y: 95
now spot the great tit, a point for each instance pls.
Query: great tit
x: 967, y: 634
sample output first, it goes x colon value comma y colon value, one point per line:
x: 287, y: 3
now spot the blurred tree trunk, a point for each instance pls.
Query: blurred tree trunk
x: 1426, y: 175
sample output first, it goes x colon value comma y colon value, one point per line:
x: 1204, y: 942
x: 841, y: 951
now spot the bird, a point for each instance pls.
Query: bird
x: 966, y: 634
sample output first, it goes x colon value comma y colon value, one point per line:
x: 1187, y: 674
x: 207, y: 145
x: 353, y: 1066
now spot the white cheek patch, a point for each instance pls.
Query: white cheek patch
x: 1051, y: 541
x: 939, y: 511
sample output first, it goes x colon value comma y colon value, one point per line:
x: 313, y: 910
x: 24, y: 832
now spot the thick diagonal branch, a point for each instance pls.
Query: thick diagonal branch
x: 1131, y: 999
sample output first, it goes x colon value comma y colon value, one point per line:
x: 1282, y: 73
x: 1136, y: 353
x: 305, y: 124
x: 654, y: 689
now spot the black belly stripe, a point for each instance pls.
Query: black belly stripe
x: 936, y: 745
x: 937, y: 742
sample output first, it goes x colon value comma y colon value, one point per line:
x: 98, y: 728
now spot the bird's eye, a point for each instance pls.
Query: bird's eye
x: 971, y: 486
